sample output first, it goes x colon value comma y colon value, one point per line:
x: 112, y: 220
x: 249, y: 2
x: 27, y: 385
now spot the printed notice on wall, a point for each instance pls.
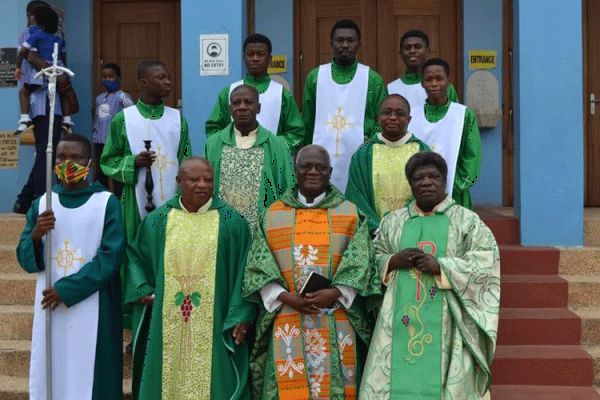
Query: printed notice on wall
x: 8, y: 63
x: 482, y: 59
x: 214, y: 55
x: 9, y: 150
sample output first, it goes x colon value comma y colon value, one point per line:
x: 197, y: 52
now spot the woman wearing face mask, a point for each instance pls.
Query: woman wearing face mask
x: 108, y: 104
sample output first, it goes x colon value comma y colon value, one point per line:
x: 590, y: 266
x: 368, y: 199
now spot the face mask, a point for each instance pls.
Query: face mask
x: 70, y: 172
x: 111, y: 85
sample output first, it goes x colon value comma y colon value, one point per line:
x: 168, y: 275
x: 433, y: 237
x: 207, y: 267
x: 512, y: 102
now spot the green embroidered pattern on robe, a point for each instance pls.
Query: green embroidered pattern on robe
x: 190, y: 259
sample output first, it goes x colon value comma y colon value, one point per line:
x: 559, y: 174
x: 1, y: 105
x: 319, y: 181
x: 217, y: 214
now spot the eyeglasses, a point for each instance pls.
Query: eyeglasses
x: 304, y: 168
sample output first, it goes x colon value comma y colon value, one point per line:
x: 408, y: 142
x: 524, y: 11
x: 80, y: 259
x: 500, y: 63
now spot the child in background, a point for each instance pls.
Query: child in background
x: 107, y: 105
x: 38, y: 49
x: 24, y: 68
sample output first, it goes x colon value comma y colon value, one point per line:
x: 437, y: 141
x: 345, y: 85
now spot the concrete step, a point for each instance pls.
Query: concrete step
x: 17, y: 388
x: 8, y: 259
x: 533, y: 291
x: 595, y: 353
x: 518, y: 260
x: 590, y: 325
x: 565, y: 365
x: 16, y: 322
x: 11, y: 226
x: 518, y: 392
x: 504, y: 228
x: 579, y: 260
x: 584, y: 291
x: 592, y: 227
x: 538, y: 326
x: 17, y: 288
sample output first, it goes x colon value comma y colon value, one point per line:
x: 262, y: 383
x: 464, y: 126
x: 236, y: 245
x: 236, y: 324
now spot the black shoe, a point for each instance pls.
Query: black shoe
x: 129, y: 348
x: 18, y: 208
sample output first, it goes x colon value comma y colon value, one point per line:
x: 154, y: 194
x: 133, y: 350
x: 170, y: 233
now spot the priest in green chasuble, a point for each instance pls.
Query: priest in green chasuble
x: 310, y: 345
x: 376, y: 180
x: 450, y: 129
x: 186, y: 268
x: 341, y: 101
x: 436, y: 331
x: 253, y: 167
x: 414, y: 49
x: 85, y: 292
x: 125, y: 159
x: 279, y: 112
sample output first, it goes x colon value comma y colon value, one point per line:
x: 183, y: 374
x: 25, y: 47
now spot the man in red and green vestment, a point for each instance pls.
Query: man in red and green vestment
x: 279, y: 112
x: 437, y: 327
x: 310, y: 346
x: 185, y: 276
x: 376, y: 180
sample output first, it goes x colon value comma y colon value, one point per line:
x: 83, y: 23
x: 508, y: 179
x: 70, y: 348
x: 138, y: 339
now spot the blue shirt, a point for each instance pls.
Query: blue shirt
x: 107, y: 106
x: 43, y: 43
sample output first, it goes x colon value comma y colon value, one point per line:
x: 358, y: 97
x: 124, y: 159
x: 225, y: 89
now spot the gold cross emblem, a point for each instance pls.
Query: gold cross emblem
x: 161, y: 163
x: 339, y: 123
x: 66, y: 257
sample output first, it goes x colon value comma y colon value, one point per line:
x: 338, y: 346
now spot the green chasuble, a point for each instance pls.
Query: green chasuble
x: 118, y: 162
x: 360, y: 189
x: 342, y: 75
x: 413, y: 78
x: 291, y: 126
x: 272, y: 257
x: 446, y: 322
x: 194, y: 264
x: 469, y: 154
x: 238, y: 177
x: 99, y: 275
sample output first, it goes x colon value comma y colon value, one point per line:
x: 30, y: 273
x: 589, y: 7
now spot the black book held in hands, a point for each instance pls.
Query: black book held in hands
x: 315, y: 282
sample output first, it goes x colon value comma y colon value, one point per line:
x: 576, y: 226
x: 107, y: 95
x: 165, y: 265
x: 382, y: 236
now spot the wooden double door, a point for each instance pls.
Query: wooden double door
x: 382, y: 24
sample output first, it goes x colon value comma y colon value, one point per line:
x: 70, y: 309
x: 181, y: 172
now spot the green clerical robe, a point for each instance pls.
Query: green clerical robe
x: 99, y: 275
x: 280, y: 255
x: 343, y: 75
x: 194, y: 264
x: 435, y: 335
x: 413, y: 78
x: 291, y: 126
x: 118, y: 163
x: 469, y: 154
x: 250, y: 180
x: 365, y: 184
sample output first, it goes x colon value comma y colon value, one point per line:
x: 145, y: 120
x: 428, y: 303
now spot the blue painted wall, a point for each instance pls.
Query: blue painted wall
x: 483, y: 31
x: 200, y: 92
x: 549, y: 134
x: 79, y: 47
x: 275, y: 18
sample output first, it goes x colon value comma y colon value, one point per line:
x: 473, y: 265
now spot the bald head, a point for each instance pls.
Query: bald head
x: 247, y: 89
x: 394, y: 98
x: 196, y: 181
x: 193, y: 162
x: 313, y: 151
x: 313, y: 171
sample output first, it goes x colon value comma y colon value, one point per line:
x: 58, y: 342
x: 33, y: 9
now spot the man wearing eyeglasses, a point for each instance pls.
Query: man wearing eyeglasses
x: 376, y: 181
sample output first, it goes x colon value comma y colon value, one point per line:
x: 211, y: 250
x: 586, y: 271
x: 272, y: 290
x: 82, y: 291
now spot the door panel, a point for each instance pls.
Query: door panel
x: 592, y: 121
x: 130, y: 32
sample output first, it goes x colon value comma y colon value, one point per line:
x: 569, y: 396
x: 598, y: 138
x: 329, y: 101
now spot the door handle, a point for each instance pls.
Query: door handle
x: 593, y: 102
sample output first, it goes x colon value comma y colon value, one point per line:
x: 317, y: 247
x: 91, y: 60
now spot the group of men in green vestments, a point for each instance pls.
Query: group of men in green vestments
x: 208, y: 263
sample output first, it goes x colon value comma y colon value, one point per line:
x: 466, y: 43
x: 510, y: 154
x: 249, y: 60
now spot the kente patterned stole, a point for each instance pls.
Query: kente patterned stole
x: 314, y: 355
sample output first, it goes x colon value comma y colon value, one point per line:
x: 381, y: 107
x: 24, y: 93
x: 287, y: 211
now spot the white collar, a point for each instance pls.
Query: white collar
x: 201, y: 210
x: 401, y: 142
x: 245, y: 142
x: 316, y: 200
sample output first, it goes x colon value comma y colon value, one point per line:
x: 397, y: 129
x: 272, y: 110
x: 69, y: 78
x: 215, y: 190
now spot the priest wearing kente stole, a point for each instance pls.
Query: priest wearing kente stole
x: 376, y: 180
x: 125, y: 158
x: 341, y: 101
x: 310, y: 345
x: 437, y: 327
x: 450, y: 129
x: 185, y: 272
x: 85, y: 292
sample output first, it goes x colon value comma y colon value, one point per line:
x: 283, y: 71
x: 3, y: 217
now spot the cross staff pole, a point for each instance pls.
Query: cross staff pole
x: 50, y: 73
